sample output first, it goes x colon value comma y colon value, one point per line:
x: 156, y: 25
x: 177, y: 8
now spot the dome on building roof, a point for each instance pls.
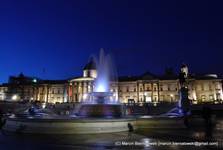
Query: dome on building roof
x: 211, y: 75
x: 91, y: 65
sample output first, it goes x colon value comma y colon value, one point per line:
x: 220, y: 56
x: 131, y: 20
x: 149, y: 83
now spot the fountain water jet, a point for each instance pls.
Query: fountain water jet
x: 102, y: 106
x: 103, y: 75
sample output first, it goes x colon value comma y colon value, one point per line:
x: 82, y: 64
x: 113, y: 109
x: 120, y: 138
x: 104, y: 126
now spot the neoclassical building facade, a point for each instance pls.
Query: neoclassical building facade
x: 146, y: 88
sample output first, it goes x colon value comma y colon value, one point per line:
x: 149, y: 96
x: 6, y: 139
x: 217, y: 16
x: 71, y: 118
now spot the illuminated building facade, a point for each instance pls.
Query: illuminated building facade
x: 31, y: 89
x: 146, y: 88
x: 3, y: 91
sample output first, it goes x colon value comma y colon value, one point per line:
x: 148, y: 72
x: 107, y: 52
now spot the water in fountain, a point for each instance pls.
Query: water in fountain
x: 102, y: 80
x: 106, y: 73
x: 103, y: 105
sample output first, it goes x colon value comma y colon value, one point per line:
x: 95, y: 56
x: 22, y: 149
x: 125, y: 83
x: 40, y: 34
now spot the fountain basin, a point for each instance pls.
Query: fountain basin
x: 100, y: 110
x: 67, y: 125
x: 97, y: 125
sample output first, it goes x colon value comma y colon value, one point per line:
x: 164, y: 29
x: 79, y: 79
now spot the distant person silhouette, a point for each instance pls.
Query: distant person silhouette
x: 207, y: 113
x: 131, y: 129
x: 2, y: 119
x: 31, y: 111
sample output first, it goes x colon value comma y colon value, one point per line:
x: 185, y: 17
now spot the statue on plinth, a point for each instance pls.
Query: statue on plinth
x: 184, y: 102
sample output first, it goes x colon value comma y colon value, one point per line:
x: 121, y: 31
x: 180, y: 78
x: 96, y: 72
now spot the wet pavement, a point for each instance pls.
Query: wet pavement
x: 151, y: 139
x: 143, y: 139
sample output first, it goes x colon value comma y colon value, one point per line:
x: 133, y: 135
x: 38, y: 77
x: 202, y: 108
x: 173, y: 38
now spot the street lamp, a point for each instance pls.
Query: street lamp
x: 14, y: 97
x: 34, y: 80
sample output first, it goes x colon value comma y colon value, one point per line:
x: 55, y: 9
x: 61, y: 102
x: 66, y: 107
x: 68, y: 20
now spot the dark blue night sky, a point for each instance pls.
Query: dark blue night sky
x: 59, y: 36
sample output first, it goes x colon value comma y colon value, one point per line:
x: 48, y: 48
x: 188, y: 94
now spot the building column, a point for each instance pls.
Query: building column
x: 65, y: 94
x: 144, y: 96
x: 79, y: 92
x: 69, y: 92
x: 215, y: 93
x: 47, y: 93
x: 38, y: 97
x: 73, y: 91
x: 137, y: 89
x: 158, y: 91
x: 152, y: 100
x: 82, y: 91
x: 44, y: 93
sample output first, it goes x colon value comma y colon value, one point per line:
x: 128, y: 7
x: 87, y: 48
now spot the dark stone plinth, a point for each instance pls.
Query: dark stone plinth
x: 184, y: 101
x: 100, y: 110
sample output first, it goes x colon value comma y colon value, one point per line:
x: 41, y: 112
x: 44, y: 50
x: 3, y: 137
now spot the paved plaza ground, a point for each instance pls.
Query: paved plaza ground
x: 150, y: 139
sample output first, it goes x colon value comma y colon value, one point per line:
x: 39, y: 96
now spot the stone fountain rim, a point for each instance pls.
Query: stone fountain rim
x: 66, y: 119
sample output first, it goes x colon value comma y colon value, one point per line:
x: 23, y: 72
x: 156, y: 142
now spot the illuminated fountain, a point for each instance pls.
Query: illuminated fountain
x: 103, y: 115
x: 103, y: 105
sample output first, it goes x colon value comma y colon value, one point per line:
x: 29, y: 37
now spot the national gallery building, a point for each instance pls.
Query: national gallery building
x: 146, y: 88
